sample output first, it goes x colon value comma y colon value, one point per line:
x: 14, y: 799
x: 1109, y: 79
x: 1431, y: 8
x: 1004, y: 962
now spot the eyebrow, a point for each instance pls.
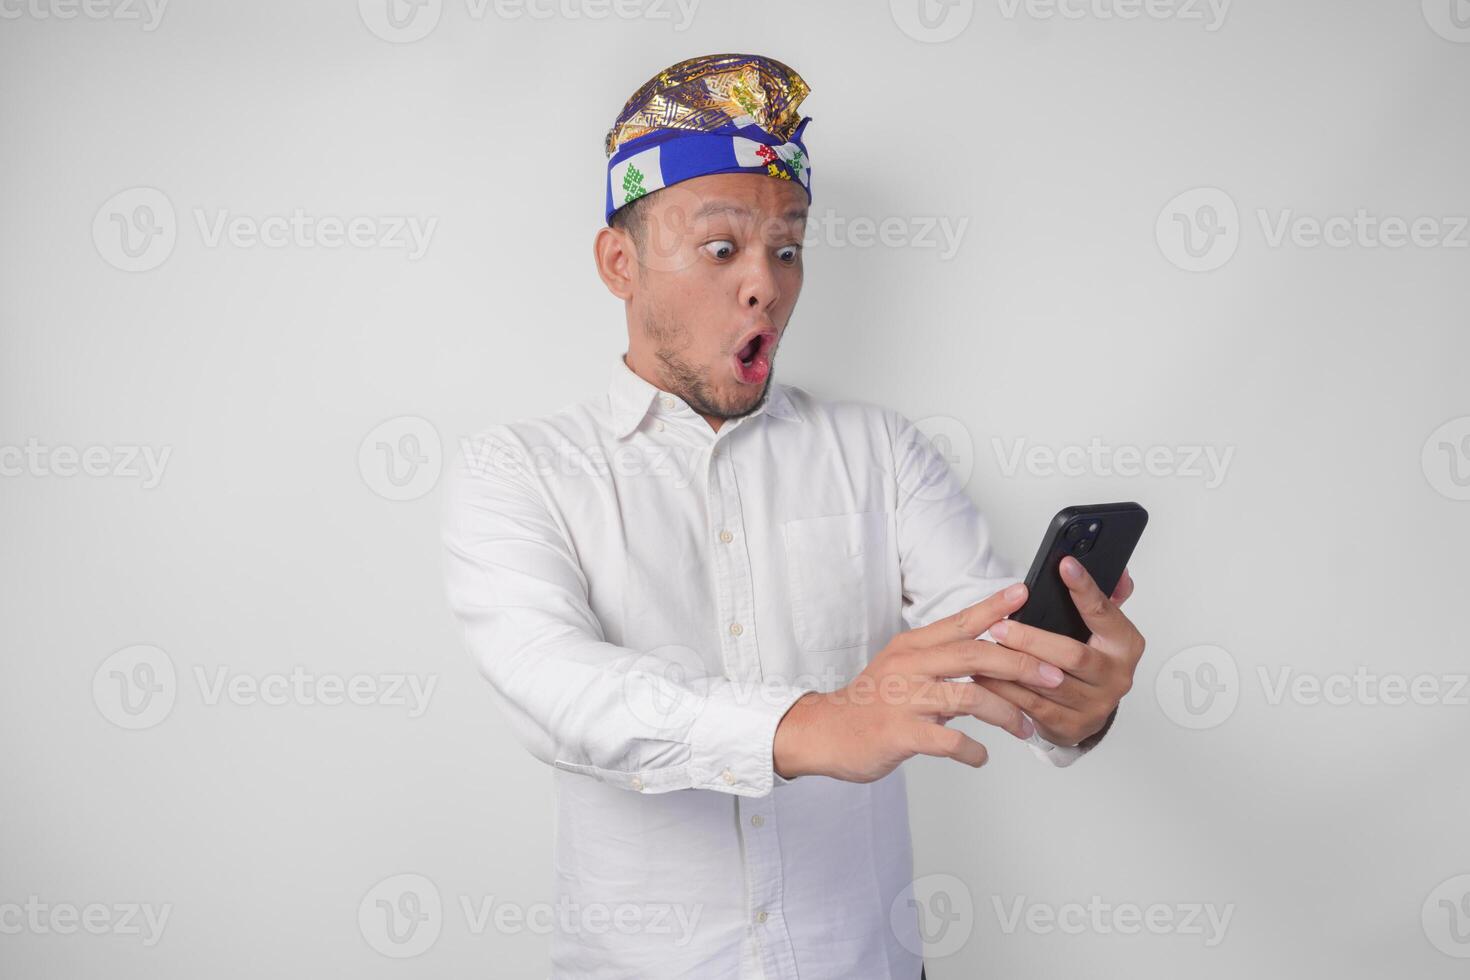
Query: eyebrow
x: 731, y: 207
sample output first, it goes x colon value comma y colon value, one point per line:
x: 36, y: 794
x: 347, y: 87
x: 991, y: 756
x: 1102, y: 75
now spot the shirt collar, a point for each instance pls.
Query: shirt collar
x: 631, y: 398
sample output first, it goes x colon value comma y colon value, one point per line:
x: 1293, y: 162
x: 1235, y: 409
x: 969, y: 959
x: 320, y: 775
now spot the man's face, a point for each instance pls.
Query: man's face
x: 719, y: 272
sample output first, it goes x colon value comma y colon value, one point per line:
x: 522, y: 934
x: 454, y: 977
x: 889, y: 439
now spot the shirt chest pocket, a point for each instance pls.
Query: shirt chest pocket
x: 837, y: 567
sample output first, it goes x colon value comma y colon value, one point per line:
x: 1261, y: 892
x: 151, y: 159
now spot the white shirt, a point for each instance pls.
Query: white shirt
x: 648, y: 597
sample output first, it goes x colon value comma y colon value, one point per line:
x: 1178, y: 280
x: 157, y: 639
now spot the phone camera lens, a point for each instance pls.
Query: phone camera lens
x: 1075, y: 531
x: 1082, y: 547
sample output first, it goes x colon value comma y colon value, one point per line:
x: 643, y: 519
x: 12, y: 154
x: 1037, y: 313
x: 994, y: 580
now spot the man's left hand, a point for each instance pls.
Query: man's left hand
x: 1099, y: 672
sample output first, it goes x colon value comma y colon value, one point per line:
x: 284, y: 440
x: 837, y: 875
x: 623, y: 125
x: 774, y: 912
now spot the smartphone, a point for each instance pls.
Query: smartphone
x: 1100, y: 536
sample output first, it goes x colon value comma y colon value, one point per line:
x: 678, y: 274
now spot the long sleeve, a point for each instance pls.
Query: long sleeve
x: 945, y: 555
x: 647, y: 721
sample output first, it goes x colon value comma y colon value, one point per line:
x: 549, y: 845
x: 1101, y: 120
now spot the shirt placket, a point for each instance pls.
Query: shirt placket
x: 756, y: 816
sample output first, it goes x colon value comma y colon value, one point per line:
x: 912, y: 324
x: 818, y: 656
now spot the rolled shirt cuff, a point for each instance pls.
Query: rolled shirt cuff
x: 731, y: 741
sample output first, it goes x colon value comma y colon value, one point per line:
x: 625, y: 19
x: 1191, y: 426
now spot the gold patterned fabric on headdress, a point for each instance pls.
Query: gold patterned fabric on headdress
x: 705, y: 93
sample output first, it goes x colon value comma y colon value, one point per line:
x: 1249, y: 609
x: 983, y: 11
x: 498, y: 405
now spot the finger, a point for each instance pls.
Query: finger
x: 1124, y: 589
x: 947, y: 743
x: 1077, y: 659
x: 961, y: 658
x: 1071, y: 693
x: 1098, y: 611
x: 955, y: 698
x: 1041, y: 709
x: 970, y: 622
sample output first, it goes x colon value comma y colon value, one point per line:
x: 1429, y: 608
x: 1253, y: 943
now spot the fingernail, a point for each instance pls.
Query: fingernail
x: 1049, y: 673
x: 1027, y: 729
x: 1016, y: 591
x: 999, y: 630
x: 1070, y: 567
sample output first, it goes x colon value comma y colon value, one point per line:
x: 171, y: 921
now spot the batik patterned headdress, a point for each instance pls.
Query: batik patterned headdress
x: 716, y: 114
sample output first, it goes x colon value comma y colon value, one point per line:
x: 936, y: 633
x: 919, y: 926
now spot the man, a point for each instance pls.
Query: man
x: 691, y: 592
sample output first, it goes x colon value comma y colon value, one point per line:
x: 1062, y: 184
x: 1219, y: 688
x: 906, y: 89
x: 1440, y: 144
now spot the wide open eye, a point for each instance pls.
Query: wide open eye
x: 789, y: 253
x: 719, y: 249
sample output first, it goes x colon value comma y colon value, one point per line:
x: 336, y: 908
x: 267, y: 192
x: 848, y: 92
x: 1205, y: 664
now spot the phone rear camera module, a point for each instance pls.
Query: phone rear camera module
x: 1075, y: 531
x: 1082, y: 547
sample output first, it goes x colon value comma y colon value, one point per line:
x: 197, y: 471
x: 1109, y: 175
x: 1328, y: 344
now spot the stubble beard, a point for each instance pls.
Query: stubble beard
x: 688, y: 381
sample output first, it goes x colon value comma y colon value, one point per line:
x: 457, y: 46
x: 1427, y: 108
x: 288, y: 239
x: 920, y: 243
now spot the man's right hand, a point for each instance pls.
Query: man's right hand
x: 897, y: 707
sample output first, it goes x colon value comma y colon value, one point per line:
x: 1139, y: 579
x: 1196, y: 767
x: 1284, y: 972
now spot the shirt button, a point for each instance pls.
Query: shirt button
x: 726, y: 537
x: 757, y: 821
x: 736, y: 629
x: 728, y: 776
x: 637, y: 783
x: 666, y: 401
x: 659, y: 426
x: 760, y: 916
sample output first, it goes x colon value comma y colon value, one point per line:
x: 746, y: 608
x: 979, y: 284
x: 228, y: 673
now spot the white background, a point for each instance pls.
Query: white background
x: 1056, y: 139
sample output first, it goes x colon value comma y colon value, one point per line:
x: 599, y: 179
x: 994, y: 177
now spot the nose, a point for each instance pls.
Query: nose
x: 759, y: 286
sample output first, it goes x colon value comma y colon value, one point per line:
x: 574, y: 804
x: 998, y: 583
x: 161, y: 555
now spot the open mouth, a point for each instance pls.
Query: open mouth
x: 752, y: 362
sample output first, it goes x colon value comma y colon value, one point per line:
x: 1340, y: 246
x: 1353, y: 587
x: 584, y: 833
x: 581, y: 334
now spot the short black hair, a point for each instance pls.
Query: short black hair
x: 631, y: 219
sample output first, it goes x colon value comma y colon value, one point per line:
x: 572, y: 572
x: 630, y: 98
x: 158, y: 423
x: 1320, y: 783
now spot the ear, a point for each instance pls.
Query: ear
x: 617, y: 261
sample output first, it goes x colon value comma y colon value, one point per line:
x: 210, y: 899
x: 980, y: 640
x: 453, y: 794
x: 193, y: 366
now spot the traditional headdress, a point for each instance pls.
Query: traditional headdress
x: 716, y: 114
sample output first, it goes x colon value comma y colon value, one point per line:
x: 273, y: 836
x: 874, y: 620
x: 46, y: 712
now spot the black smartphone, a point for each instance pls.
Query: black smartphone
x: 1100, y: 536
